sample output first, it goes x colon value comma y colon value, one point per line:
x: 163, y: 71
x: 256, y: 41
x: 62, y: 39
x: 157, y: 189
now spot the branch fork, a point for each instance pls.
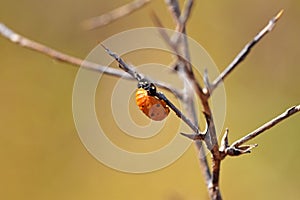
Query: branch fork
x: 130, y: 70
x: 225, y: 149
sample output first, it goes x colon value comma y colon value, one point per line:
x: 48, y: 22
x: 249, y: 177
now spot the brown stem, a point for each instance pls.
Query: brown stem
x: 186, y: 73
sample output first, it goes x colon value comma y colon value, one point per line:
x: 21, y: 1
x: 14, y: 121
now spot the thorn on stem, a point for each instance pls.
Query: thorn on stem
x: 207, y: 88
x: 224, y: 141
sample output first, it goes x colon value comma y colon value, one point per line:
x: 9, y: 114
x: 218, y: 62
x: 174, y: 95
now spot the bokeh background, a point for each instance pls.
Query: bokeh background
x: 42, y: 156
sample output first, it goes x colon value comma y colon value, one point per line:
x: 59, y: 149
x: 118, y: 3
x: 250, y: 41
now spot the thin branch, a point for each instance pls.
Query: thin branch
x: 204, y: 167
x: 174, y: 9
x: 38, y: 47
x: 181, y: 58
x: 211, y: 140
x: 30, y: 44
x: 115, y: 14
x: 289, y: 112
x: 186, y: 13
x: 177, y: 93
x: 189, y: 79
x: 165, y: 35
x: 181, y: 22
x: 245, y: 51
x: 185, y: 59
x: 123, y: 65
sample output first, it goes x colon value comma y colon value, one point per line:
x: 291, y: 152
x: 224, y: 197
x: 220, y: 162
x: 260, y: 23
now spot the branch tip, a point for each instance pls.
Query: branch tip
x: 279, y: 14
x: 236, y: 151
x: 112, y: 54
x: 105, y: 48
x: 206, y: 90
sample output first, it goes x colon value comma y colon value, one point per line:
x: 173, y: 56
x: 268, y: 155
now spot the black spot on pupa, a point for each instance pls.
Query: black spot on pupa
x: 157, y: 105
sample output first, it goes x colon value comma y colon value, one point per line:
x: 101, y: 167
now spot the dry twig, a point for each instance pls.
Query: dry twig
x: 289, y: 112
x: 245, y: 51
x: 115, y: 14
x: 33, y: 45
x: 236, y: 149
x: 186, y: 72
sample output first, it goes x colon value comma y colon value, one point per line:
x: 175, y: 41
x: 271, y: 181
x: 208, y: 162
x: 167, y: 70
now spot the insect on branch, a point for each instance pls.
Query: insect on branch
x: 129, y: 69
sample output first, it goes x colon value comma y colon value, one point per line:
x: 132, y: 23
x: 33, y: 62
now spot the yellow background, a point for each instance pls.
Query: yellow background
x: 41, y: 154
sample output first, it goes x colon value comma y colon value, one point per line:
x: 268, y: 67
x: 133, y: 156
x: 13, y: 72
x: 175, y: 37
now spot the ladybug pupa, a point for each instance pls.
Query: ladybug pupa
x: 156, y: 109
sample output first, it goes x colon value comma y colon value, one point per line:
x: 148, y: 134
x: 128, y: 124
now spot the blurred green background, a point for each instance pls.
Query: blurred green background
x: 41, y: 154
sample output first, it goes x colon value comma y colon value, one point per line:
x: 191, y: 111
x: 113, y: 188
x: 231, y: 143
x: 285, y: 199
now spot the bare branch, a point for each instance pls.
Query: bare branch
x: 181, y: 58
x: 173, y: 44
x: 38, y: 47
x: 204, y: 167
x: 245, y: 51
x: 236, y: 149
x: 174, y: 9
x: 25, y: 42
x: 115, y: 14
x: 289, y: 112
x: 189, y: 79
x: 186, y: 12
x: 181, y: 23
x: 123, y: 65
x: 177, y: 93
x: 181, y: 19
x: 165, y: 35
